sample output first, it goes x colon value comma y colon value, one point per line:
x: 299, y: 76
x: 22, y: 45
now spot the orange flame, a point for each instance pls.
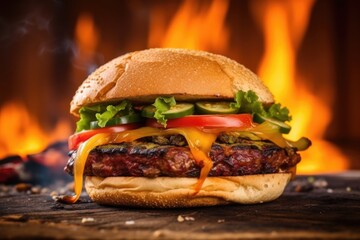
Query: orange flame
x: 194, y: 26
x: 21, y: 133
x: 87, y: 39
x: 284, y: 24
x: 86, y: 34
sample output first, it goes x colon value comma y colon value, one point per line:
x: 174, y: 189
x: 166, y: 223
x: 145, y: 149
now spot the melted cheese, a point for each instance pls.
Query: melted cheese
x: 199, y: 143
x: 270, y: 132
x: 80, y: 160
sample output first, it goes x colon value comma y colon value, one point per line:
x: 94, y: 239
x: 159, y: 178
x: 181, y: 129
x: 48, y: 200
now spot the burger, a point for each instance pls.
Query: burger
x: 179, y: 128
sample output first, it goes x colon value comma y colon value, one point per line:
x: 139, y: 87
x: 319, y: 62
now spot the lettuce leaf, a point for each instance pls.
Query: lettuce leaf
x: 279, y: 113
x: 248, y: 102
x: 163, y: 104
x: 87, y: 115
x: 122, y: 109
x: 101, y: 113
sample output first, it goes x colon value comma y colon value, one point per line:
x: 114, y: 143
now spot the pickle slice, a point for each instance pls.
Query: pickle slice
x: 118, y: 121
x: 284, y: 128
x: 215, y: 108
x: 177, y: 111
x: 301, y: 144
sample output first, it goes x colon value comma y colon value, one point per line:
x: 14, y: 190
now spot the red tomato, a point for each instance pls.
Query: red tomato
x: 77, y: 138
x: 207, y: 121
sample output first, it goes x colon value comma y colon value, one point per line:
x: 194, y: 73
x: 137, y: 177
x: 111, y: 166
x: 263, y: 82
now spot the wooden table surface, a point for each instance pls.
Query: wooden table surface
x: 323, y: 207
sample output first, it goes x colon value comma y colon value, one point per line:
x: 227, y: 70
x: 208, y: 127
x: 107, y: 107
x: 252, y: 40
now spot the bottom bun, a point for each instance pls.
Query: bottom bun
x: 168, y: 192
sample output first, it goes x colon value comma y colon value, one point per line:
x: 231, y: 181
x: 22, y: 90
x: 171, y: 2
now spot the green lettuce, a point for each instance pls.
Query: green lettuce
x: 163, y: 104
x: 87, y: 115
x: 101, y: 113
x: 122, y: 109
x: 248, y: 102
x: 279, y: 113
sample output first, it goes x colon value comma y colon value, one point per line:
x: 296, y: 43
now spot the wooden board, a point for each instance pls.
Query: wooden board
x: 324, y: 212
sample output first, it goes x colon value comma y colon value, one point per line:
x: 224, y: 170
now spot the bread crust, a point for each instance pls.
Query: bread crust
x: 185, y: 74
x: 167, y: 192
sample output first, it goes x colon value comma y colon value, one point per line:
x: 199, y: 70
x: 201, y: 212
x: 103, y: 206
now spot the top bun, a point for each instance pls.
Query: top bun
x: 185, y: 74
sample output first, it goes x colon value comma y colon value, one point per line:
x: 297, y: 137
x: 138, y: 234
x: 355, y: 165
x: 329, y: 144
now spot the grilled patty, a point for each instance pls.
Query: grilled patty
x: 160, y: 157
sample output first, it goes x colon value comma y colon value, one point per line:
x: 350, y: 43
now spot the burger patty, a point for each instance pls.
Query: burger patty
x: 153, y: 159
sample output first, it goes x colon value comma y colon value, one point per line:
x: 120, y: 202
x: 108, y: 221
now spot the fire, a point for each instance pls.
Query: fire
x: 202, y: 25
x: 21, y: 133
x: 86, y: 34
x: 284, y: 24
x: 194, y: 26
x: 86, y: 38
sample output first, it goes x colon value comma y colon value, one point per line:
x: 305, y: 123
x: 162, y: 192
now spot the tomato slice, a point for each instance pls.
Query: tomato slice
x: 203, y: 121
x: 77, y: 138
x: 207, y: 121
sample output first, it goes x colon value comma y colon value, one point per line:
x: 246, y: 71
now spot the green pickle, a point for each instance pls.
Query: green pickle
x: 133, y: 118
x: 301, y: 144
x: 284, y: 128
x: 205, y: 107
x: 177, y: 111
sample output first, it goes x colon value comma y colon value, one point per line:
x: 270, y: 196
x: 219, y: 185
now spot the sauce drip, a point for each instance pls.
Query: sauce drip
x: 199, y: 143
x: 79, y: 163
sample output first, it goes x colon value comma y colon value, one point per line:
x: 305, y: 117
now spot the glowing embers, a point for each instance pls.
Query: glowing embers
x: 22, y: 134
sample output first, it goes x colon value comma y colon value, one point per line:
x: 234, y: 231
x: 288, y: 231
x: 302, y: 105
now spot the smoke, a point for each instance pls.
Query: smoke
x: 36, y: 23
x: 66, y: 45
x: 87, y: 64
x: 16, y: 30
x: 33, y: 21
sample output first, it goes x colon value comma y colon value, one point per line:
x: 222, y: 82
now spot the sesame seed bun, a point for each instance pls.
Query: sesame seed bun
x: 185, y: 74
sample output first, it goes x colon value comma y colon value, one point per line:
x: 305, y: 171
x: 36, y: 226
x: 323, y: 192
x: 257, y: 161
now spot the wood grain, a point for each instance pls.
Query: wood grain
x: 325, y: 212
